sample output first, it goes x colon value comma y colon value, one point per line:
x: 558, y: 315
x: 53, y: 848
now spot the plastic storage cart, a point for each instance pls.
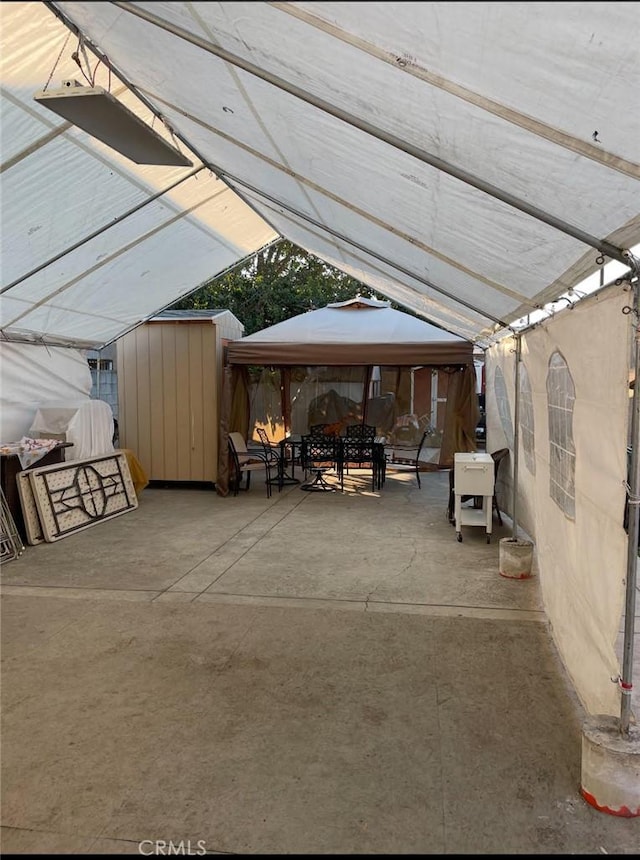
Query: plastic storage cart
x: 473, y: 475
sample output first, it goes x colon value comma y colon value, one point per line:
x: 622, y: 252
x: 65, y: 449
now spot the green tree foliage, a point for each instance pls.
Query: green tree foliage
x: 278, y: 283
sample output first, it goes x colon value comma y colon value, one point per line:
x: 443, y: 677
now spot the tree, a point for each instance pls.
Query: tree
x: 280, y: 281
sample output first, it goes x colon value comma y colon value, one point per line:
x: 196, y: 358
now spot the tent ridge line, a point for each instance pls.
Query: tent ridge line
x: 409, y: 67
x: 355, y: 244
x: 418, y: 153
x: 336, y: 199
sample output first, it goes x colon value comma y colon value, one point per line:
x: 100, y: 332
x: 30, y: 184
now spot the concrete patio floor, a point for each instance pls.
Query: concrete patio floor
x: 312, y: 673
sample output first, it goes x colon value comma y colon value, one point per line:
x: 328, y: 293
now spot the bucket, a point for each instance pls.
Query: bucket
x: 516, y: 558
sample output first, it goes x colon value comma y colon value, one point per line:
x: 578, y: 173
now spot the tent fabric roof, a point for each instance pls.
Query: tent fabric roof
x: 469, y: 161
x: 352, y: 332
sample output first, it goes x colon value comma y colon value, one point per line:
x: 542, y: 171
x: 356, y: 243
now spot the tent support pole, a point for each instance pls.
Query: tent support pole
x: 516, y: 437
x: 626, y: 679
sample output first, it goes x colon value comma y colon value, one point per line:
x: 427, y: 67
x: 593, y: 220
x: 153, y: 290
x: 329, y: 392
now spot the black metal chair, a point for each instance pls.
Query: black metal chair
x: 318, y: 453
x: 358, y: 449
x: 364, y: 432
x: 272, y: 453
x: 498, y: 456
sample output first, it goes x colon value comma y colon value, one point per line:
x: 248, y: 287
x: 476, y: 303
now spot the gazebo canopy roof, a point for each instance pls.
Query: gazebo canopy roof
x: 358, y: 331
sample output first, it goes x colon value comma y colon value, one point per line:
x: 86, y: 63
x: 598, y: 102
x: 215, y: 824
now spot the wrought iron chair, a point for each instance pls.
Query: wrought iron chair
x: 359, y: 449
x: 244, y: 462
x: 365, y: 432
x: 319, y: 454
x: 273, y: 455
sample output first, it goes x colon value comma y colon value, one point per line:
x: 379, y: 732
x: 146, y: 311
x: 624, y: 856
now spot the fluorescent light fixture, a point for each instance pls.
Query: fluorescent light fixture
x: 97, y: 112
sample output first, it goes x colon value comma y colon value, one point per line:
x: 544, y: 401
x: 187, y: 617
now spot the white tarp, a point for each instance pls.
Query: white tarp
x: 87, y: 424
x: 468, y: 160
x: 60, y: 186
x: 581, y: 557
x: 471, y: 161
x: 32, y: 374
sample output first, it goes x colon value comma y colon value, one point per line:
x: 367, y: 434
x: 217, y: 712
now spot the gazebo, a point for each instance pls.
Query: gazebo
x: 358, y: 361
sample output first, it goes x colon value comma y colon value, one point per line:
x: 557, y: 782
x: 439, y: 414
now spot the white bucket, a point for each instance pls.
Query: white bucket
x: 516, y: 558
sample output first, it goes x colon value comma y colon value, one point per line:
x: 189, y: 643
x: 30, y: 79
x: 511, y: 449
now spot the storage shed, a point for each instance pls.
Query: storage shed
x: 169, y: 382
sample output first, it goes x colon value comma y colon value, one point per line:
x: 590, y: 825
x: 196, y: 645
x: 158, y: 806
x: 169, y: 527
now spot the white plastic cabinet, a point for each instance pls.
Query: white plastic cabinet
x: 473, y: 475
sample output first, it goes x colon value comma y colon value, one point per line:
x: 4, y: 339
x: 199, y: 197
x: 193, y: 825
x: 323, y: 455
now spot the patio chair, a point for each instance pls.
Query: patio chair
x: 365, y: 432
x: 273, y: 453
x: 319, y: 454
x: 244, y: 462
x: 358, y: 449
x: 498, y: 457
x: 407, y: 457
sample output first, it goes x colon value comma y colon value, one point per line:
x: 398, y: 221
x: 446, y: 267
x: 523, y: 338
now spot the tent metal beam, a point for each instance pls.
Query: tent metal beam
x: 619, y: 279
x: 413, y: 303
x: 118, y: 252
x: 145, y: 101
x: 516, y: 438
x: 230, y: 179
x: 633, y: 498
x: 601, y: 245
x: 100, y: 230
x: 241, y: 262
x: 320, y: 189
x: 407, y: 66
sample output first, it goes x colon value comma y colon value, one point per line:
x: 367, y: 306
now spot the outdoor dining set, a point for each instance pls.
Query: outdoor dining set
x: 320, y: 451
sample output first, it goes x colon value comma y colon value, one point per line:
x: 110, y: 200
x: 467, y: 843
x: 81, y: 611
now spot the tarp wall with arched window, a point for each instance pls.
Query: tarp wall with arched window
x: 573, y: 434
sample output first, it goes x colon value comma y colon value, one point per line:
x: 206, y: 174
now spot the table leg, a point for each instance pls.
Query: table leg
x: 283, y: 476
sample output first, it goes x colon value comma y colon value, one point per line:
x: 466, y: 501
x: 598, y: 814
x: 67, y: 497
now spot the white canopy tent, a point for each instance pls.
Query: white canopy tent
x: 470, y: 161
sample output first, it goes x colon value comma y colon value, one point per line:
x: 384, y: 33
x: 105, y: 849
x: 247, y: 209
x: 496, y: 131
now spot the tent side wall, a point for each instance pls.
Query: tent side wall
x: 573, y: 417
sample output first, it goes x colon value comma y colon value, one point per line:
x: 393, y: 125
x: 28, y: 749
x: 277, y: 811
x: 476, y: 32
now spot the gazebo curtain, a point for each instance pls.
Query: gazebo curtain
x: 289, y: 399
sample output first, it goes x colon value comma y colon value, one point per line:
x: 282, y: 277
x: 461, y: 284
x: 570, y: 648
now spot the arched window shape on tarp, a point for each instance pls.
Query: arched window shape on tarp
x: 562, y: 453
x: 526, y: 420
x: 502, y: 402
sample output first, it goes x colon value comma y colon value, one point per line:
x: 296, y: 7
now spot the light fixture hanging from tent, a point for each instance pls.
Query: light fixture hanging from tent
x: 101, y: 115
